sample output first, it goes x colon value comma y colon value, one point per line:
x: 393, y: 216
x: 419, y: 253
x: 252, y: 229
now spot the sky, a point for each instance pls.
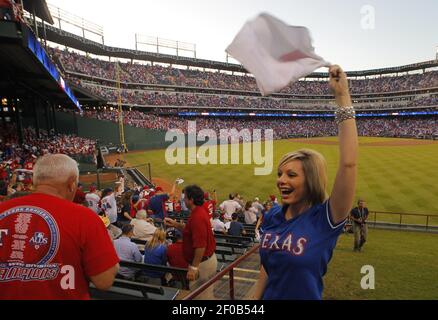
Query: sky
x: 355, y: 34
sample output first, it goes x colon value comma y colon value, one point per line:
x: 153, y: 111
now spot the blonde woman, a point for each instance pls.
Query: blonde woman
x: 155, y: 252
x: 299, y: 237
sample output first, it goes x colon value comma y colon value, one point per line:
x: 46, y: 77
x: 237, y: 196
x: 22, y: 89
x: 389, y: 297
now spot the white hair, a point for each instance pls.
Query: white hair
x: 141, y: 214
x: 55, y: 168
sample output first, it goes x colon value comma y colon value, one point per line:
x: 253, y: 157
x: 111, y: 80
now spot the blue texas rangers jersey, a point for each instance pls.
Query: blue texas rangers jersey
x: 295, y: 252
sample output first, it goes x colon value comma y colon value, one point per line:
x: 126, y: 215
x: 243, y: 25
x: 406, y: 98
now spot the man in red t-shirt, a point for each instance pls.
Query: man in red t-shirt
x: 210, y: 204
x: 199, y: 243
x: 175, y: 256
x: 79, y: 197
x: 51, y: 248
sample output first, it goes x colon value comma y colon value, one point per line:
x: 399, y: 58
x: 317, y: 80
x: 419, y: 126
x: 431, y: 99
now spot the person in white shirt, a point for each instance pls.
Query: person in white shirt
x: 217, y: 224
x: 143, y: 228
x: 109, y: 205
x: 92, y: 199
x: 229, y: 207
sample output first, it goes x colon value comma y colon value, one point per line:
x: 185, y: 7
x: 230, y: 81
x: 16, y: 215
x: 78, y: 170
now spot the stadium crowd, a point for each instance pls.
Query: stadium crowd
x: 148, y: 74
x: 283, y: 128
x: 129, y: 211
x: 16, y: 161
x: 151, y: 98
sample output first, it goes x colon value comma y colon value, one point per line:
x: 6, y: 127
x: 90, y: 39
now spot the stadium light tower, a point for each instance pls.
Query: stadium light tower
x: 120, y: 111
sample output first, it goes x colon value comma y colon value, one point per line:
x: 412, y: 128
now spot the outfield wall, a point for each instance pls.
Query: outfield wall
x: 106, y: 132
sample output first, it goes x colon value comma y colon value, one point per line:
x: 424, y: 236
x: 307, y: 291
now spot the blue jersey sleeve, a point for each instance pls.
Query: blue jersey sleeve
x: 324, y: 220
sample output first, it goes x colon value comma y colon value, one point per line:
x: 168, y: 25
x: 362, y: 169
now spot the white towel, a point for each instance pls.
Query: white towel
x: 275, y: 53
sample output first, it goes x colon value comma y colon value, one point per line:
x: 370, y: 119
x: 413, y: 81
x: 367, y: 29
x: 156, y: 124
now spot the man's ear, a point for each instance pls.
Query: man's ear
x: 72, y: 184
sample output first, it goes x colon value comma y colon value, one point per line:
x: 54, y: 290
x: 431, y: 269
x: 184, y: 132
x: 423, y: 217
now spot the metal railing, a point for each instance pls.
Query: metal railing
x: 229, y: 269
x: 427, y: 217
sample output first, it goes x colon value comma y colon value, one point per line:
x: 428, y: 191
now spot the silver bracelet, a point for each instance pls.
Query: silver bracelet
x: 344, y: 113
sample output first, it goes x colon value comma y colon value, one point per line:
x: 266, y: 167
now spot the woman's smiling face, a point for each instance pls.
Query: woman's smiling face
x: 291, y: 182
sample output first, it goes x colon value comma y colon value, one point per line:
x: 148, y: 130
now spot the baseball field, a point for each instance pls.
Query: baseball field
x: 394, y: 175
x: 404, y: 266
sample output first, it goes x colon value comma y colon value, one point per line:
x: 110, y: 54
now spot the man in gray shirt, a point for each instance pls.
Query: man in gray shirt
x: 127, y: 251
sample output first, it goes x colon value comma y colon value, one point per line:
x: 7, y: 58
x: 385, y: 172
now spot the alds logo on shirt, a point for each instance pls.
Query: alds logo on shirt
x: 38, y: 240
x: 26, y: 254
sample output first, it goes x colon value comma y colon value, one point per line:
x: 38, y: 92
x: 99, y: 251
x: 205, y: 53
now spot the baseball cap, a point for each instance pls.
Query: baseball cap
x: 105, y: 221
x: 158, y: 189
x: 272, y: 197
x: 174, y: 234
x: 92, y: 188
x: 206, y: 195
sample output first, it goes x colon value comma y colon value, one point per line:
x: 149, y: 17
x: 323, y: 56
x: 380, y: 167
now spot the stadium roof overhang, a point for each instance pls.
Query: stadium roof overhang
x: 26, y: 69
x: 39, y: 8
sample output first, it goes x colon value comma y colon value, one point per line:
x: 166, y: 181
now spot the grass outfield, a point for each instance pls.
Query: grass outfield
x: 395, y: 175
x: 405, y: 265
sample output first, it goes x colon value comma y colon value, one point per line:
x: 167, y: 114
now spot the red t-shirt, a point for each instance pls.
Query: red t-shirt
x: 198, y: 234
x: 175, y: 255
x: 210, y: 207
x: 79, y: 197
x: 50, y: 247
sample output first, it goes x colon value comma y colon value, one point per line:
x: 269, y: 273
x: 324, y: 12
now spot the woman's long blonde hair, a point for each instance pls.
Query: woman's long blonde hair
x: 315, y: 172
x: 158, y: 238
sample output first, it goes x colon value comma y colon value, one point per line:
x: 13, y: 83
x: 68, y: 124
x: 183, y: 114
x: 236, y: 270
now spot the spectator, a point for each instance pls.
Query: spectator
x: 143, y: 227
x: 184, y: 210
x: 113, y: 231
x: 288, y: 265
x: 359, y: 215
x: 80, y: 243
x: 266, y: 207
x: 175, y: 256
x: 258, y: 206
x: 199, y: 244
x: 210, y: 204
x: 124, y: 217
x: 229, y: 207
x: 250, y: 213
x: 92, y: 199
x: 109, y: 205
x: 155, y: 252
x: 80, y: 195
x: 157, y: 203
x: 235, y: 227
x: 217, y: 224
x: 127, y: 251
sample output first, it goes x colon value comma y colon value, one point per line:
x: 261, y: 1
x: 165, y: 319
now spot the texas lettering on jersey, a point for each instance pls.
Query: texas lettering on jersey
x: 272, y: 241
